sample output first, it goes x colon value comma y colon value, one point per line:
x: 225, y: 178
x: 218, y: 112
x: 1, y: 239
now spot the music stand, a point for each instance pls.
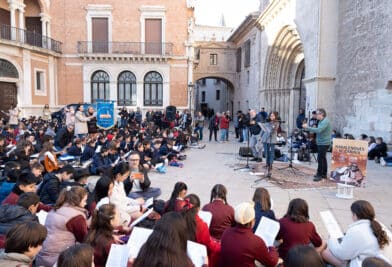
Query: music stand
x: 290, y: 166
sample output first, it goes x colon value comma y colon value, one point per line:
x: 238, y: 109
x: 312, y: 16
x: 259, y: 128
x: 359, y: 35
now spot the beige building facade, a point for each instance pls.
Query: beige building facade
x: 61, y: 52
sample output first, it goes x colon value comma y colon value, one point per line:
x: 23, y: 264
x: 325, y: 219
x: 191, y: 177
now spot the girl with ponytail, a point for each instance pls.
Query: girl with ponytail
x: 66, y: 224
x: 101, y: 233
x: 364, y: 238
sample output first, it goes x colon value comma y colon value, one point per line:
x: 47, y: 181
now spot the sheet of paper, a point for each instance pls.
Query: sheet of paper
x: 137, y: 239
x: 196, y: 252
x: 118, y: 256
x: 141, y: 218
x: 268, y: 230
x: 331, y: 224
x: 127, y: 154
x: 87, y: 163
x: 34, y: 156
x: 206, y: 216
x: 67, y: 157
x: 98, y: 149
x: 148, y: 202
x: 42, y: 216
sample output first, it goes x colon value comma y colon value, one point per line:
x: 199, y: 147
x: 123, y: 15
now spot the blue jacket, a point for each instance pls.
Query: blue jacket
x: 11, y: 215
x: 259, y: 213
x: 5, y: 190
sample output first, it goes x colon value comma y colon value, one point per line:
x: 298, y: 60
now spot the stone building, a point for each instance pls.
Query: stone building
x: 135, y: 54
x: 317, y: 53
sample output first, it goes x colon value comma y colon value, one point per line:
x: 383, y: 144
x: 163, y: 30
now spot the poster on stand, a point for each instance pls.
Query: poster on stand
x: 348, y: 161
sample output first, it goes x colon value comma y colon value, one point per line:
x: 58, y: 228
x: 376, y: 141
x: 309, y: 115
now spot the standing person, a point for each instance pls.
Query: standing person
x: 313, y: 120
x: 46, y: 113
x: 224, y: 126
x: 254, y: 130
x: 199, y: 125
x: 364, y: 238
x: 240, y: 247
x: 81, y: 122
x: 13, y: 113
x: 269, y: 139
x: 92, y: 123
x: 69, y: 115
x: 300, y: 118
x: 214, y: 126
x: 263, y: 115
x: 323, y: 140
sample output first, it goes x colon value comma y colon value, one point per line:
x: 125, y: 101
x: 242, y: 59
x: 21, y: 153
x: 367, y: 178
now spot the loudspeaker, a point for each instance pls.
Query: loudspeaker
x: 171, y: 113
x: 245, y: 152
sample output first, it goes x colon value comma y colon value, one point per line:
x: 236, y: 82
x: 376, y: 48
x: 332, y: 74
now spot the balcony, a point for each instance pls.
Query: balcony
x: 21, y: 36
x: 132, y: 50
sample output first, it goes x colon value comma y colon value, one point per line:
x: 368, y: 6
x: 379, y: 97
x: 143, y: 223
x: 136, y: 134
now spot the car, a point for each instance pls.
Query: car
x: 60, y: 114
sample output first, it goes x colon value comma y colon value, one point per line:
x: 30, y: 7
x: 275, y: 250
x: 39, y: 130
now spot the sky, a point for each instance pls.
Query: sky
x: 209, y: 12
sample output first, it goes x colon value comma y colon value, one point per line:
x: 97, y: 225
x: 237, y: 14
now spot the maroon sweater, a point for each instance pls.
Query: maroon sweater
x: 294, y: 234
x: 222, y: 217
x: 240, y: 247
x: 13, y: 198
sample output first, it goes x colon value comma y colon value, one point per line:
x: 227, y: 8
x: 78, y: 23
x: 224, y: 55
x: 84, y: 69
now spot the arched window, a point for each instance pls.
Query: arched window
x: 100, y: 86
x: 126, y: 89
x: 153, y: 89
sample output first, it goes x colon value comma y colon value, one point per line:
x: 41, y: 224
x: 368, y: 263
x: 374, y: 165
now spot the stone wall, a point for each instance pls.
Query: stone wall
x: 364, y: 67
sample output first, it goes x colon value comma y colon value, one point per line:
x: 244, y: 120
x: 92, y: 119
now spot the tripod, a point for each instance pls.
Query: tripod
x: 246, y: 167
x: 290, y: 166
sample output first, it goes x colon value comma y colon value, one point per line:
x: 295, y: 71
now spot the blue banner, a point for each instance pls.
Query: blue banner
x: 105, y: 115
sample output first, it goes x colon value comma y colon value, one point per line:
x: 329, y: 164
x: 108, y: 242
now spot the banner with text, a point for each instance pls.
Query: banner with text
x: 348, y: 161
x: 105, y: 115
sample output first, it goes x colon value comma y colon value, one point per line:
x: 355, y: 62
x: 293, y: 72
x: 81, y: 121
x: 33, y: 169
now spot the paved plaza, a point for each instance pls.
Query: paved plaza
x: 215, y: 164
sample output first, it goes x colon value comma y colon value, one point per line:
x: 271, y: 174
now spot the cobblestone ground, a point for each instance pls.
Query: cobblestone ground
x: 214, y: 164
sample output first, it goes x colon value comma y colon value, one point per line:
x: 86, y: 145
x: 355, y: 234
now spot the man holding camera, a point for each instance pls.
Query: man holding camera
x: 323, y: 140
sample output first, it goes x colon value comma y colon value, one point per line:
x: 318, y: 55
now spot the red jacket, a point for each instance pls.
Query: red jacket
x: 224, y: 122
x: 222, y: 217
x: 240, y: 247
x: 13, y: 198
x: 203, y: 237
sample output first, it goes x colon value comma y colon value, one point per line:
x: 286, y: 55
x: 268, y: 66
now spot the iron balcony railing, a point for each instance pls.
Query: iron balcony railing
x: 28, y: 37
x: 135, y: 48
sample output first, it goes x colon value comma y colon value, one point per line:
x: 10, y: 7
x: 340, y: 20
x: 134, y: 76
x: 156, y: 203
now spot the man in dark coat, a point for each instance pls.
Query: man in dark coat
x: 64, y: 136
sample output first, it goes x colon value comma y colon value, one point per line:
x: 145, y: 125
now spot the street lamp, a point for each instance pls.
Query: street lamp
x: 190, y: 89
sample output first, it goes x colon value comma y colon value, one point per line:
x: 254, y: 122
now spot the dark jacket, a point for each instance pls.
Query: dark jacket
x: 11, y: 215
x: 87, y: 153
x: 74, y: 151
x: 128, y: 183
x: 100, y: 163
x: 49, y: 190
x: 259, y: 213
x: 63, y: 137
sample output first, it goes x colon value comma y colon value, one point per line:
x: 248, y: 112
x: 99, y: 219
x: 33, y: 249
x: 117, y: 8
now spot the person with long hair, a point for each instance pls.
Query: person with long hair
x: 262, y: 201
x: 102, y: 191
x: 241, y: 247
x: 198, y: 229
x: 101, y: 232
x: 66, y: 224
x: 81, y: 122
x: 364, y: 238
x: 79, y: 255
x: 222, y: 212
x: 297, y: 229
x: 268, y: 138
x: 176, y: 201
x: 129, y: 208
x: 166, y: 246
x: 48, y: 157
x: 303, y: 256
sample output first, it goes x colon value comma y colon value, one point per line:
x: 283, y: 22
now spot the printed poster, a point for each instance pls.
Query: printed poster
x: 348, y: 161
x: 105, y: 115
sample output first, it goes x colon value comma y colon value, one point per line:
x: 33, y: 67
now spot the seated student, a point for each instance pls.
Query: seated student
x: 168, y: 238
x: 102, y: 191
x: 66, y: 225
x: 375, y: 262
x: 101, y: 162
x: 79, y: 255
x: 166, y: 149
x: 143, y: 160
x: 222, y: 212
x: 48, y: 157
x: 148, y: 154
x: 50, y: 187
x: 176, y: 201
x: 126, y: 144
x: 89, y: 150
x: 76, y: 149
x: 36, y: 169
x: 129, y: 208
x: 364, y: 238
x: 27, y: 182
x: 198, y: 229
x: 22, y: 243
x: 380, y: 150
x: 79, y: 178
x: 240, y: 246
x: 303, y: 256
x: 24, y: 211
x: 6, y: 186
x: 101, y: 234
x: 262, y: 201
x: 296, y: 229
x: 138, y: 183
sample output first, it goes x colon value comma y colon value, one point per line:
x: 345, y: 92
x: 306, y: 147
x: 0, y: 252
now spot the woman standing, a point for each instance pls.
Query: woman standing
x: 268, y: 138
x: 13, y: 113
x: 92, y: 123
x: 46, y: 113
x: 69, y: 116
x: 81, y: 122
x: 364, y: 238
x: 66, y: 224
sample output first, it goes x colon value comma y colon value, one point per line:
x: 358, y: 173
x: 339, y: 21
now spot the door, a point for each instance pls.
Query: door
x: 34, y: 31
x: 9, y: 96
x: 100, y: 35
x: 153, y: 36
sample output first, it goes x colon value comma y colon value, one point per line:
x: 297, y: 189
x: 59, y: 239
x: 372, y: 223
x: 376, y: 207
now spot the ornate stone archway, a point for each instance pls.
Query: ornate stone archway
x: 284, y: 67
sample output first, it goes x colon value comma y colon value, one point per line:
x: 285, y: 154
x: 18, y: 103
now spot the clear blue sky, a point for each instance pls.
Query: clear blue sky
x: 209, y: 12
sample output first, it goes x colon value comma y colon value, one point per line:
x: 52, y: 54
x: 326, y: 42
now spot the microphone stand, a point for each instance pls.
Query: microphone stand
x: 246, y: 167
x: 290, y: 166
